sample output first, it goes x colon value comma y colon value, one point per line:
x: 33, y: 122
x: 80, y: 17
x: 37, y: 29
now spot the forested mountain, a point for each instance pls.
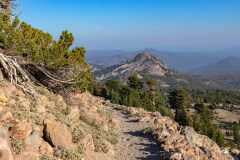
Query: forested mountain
x: 184, y: 62
x: 146, y: 64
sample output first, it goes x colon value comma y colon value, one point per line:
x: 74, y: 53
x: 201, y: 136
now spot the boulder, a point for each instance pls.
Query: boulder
x: 200, y: 140
x: 32, y: 143
x: 21, y: 130
x: 57, y: 134
x: 35, y: 144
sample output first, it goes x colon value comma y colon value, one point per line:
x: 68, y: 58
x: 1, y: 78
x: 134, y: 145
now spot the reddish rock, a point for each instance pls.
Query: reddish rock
x: 57, y: 134
x: 21, y: 130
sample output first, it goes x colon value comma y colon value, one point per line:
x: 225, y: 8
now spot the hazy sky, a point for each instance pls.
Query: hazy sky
x: 136, y: 24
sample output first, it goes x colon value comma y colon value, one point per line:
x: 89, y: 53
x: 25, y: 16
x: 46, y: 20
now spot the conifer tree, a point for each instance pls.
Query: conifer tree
x: 236, y: 134
x: 135, y: 82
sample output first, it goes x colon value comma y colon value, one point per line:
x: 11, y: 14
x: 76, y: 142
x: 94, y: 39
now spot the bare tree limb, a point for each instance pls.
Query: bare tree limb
x: 15, y: 74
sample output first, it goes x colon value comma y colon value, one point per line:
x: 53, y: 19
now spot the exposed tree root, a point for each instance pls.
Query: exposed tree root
x: 15, y: 74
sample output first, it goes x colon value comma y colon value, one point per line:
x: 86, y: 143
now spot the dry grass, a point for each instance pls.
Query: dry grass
x: 226, y: 116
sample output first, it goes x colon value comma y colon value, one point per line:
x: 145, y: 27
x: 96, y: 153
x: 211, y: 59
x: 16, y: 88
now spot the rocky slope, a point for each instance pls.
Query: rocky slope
x: 177, y: 142
x: 50, y: 127
x: 146, y: 64
x: 81, y: 126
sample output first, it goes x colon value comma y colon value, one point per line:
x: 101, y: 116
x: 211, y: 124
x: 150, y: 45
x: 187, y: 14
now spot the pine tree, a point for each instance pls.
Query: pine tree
x: 220, y: 138
x: 236, y: 134
x: 182, y: 117
x: 179, y: 99
x: 135, y: 82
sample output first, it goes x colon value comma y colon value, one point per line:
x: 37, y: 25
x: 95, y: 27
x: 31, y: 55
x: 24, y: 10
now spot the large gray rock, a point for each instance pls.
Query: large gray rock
x: 200, y: 140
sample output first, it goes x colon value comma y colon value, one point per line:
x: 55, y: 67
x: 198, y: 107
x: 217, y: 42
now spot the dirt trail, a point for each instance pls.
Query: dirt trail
x: 133, y: 144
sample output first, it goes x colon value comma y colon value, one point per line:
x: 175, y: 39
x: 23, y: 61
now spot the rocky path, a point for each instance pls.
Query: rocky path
x: 133, y: 144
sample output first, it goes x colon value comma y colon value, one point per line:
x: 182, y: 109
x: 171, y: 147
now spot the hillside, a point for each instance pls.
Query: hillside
x: 82, y: 126
x: 146, y: 64
x: 229, y: 65
x: 226, y: 71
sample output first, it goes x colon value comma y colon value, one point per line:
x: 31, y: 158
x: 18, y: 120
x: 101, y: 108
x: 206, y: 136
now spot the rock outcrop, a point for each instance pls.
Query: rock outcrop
x: 180, y: 143
x: 49, y: 126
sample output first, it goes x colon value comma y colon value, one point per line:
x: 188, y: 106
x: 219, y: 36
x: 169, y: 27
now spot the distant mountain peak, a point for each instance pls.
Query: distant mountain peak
x: 150, y: 50
x: 147, y: 64
x: 144, y: 64
x: 146, y: 56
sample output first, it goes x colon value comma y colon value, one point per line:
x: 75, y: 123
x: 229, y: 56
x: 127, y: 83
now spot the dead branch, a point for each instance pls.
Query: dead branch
x: 15, y: 73
x: 54, y: 78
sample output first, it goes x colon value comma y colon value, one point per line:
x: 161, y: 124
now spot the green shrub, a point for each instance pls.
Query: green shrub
x: 23, y: 39
x: 16, y: 146
x: 67, y: 154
